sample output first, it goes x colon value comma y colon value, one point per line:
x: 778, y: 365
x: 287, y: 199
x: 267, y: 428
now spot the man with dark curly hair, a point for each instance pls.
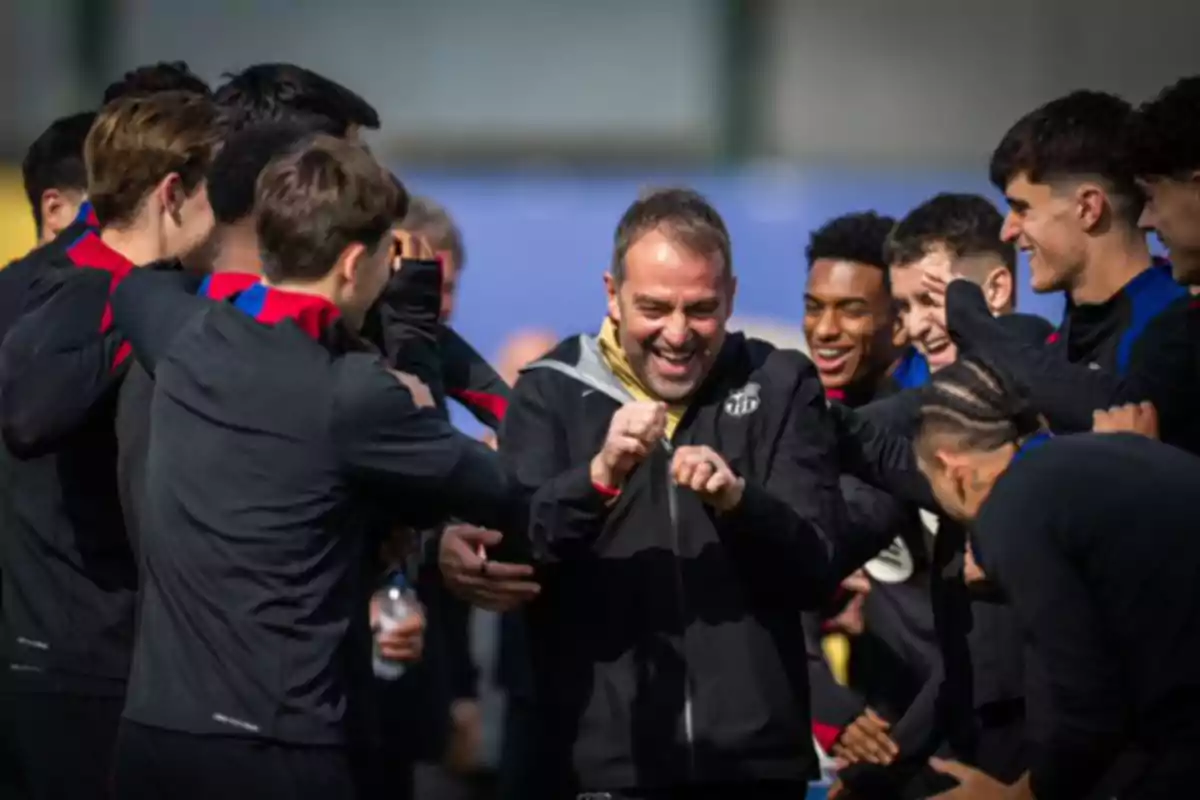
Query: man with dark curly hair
x: 848, y: 318
x: 851, y: 329
x: 1165, y: 147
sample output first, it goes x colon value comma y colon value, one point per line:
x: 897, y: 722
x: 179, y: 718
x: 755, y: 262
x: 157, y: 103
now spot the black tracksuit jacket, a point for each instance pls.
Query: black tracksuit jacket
x: 1093, y: 540
x: 666, y: 644
x: 280, y: 445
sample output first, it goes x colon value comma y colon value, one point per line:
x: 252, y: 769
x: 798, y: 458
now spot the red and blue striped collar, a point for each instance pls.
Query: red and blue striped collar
x: 224, y: 285
x: 89, y: 250
x: 87, y: 216
x: 313, y: 315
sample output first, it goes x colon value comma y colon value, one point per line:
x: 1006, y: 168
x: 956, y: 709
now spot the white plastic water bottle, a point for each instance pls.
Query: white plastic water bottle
x: 394, y: 608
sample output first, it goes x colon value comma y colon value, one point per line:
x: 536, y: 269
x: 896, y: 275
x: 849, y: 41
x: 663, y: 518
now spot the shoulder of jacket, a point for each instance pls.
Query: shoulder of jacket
x: 785, y: 367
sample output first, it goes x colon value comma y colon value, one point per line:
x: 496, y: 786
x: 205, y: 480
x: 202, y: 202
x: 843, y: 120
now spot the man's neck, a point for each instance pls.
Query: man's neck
x: 1108, y: 271
x: 237, y: 250
x: 864, y: 388
x: 134, y: 243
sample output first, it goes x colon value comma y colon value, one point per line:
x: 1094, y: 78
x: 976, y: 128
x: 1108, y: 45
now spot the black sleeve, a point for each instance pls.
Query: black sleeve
x: 58, y: 362
x: 1022, y: 543
x: 1162, y: 365
x: 880, y: 456
x: 566, y: 511
x: 392, y: 447
x: 471, y: 380
x: 916, y: 734
x: 784, y: 529
x: 834, y: 706
x: 404, y: 323
x: 149, y: 308
x: 873, y: 519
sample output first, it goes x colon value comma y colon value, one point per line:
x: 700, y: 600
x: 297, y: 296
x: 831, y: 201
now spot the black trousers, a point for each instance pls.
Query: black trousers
x: 12, y: 779
x: 152, y: 763
x: 64, y: 743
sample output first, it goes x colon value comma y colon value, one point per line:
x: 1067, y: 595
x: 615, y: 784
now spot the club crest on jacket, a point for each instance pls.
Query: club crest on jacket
x: 744, y: 401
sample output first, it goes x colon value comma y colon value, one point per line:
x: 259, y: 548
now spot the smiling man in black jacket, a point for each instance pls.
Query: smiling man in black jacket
x: 685, y: 504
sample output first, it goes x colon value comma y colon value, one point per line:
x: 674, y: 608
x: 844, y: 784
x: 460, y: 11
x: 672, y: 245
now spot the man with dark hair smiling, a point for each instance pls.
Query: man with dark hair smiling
x: 848, y: 317
x: 676, y: 545
x: 1072, y: 170
x: 959, y: 232
x: 850, y: 326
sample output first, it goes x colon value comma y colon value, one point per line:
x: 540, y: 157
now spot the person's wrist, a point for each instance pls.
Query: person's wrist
x: 602, y: 475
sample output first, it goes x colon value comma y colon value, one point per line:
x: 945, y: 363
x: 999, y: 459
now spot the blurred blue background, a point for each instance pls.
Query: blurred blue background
x: 536, y: 122
x: 537, y: 246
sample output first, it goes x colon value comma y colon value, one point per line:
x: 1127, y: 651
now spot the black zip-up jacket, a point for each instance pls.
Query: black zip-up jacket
x: 1142, y: 344
x: 70, y: 593
x: 403, y: 326
x: 1093, y: 539
x: 666, y: 644
x: 16, y: 282
x: 279, y: 444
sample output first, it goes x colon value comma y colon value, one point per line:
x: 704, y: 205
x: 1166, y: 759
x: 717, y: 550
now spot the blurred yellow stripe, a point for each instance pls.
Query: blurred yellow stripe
x: 17, y: 235
x: 837, y: 654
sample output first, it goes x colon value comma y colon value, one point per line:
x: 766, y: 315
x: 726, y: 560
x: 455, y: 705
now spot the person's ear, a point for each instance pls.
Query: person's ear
x: 1092, y: 203
x: 998, y: 288
x: 350, y: 261
x: 612, y: 290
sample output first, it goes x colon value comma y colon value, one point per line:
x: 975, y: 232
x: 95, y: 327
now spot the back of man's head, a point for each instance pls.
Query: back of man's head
x: 165, y: 76
x: 54, y: 167
x: 233, y: 176
x: 1080, y: 136
x: 268, y: 93
x: 433, y: 222
x: 1164, y: 134
x: 319, y: 199
x: 138, y: 142
x: 965, y: 226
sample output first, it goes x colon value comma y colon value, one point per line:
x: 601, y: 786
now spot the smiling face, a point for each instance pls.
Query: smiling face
x: 1046, y: 224
x: 670, y: 308
x: 924, y: 321
x: 1172, y: 210
x: 847, y: 321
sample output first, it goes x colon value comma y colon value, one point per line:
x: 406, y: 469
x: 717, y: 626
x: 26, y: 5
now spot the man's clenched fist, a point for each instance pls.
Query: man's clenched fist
x: 635, y: 429
x: 703, y: 471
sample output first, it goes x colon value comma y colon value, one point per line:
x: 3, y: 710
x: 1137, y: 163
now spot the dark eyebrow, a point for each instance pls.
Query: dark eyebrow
x: 644, y: 300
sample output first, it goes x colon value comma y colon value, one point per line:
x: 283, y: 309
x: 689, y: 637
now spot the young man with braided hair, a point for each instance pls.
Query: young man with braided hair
x: 1102, y: 582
